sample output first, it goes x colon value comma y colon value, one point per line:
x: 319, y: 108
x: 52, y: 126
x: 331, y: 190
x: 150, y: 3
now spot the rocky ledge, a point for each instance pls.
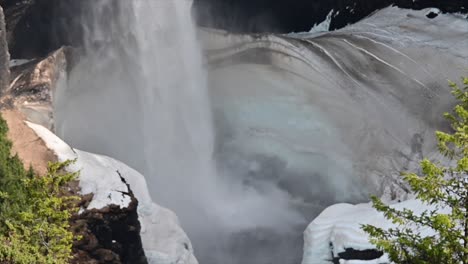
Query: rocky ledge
x: 109, y: 235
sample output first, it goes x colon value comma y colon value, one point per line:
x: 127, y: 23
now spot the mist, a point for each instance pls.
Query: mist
x: 247, y: 137
x: 139, y: 93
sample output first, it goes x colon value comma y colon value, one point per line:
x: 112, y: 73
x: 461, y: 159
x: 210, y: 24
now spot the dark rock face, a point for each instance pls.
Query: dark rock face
x: 37, y: 27
x: 4, y: 56
x: 352, y: 254
x: 28, y: 22
x: 109, y: 235
x: 300, y: 15
x: 50, y: 24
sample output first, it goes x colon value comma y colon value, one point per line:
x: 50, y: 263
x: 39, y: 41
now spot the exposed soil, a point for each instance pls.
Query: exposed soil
x: 29, y: 147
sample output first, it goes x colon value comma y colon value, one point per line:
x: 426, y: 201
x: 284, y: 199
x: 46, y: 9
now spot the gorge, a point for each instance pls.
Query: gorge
x: 248, y: 137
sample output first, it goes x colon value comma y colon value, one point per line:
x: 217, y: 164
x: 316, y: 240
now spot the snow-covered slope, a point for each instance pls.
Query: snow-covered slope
x: 163, y: 239
x: 338, y: 228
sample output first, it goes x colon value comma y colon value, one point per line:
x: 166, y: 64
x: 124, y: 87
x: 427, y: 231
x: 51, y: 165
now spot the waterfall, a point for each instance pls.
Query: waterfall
x: 142, y: 88
x: 139, y: 93
x: 177, y: 124
x: 142, y: 76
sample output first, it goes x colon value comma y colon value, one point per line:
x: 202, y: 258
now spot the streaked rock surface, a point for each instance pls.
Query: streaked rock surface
x: 348, y: 108
x: 4, y: 55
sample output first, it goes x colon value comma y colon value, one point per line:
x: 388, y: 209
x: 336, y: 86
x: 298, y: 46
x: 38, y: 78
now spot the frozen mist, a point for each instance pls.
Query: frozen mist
x: 139, y: 93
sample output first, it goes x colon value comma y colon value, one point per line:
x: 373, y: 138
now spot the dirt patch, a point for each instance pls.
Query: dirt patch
x: 29, y: 147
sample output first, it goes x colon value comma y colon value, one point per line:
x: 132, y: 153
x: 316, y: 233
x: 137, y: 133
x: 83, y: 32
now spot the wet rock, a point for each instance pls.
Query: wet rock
x: 33, y: 84
x: 353, y: 254
x: 432, y: 15
x: 109, y: 235
x: 4, y: 56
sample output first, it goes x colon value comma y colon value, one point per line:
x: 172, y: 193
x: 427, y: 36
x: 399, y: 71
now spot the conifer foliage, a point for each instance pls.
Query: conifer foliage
x: 34, y: 210
x: 444, y: 188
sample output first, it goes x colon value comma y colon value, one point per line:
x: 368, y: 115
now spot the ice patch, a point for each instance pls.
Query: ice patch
x: 318, y: 29
x: 324, y: 26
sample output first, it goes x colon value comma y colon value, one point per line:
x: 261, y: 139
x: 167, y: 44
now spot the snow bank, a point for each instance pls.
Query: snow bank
x: 163, y: 239
x: 98, y: 174
x: 339, y: 228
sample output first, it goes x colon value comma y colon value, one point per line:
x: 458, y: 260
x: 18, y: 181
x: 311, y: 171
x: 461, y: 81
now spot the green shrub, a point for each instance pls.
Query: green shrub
x: 441, y: 187
x: 34, y: 210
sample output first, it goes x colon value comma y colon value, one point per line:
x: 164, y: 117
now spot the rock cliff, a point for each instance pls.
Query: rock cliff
x: 297, y: 16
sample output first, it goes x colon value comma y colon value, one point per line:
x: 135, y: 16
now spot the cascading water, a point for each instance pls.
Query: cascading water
x: 139, y: 94
x: 176, y: 115
x: 301, y: 122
